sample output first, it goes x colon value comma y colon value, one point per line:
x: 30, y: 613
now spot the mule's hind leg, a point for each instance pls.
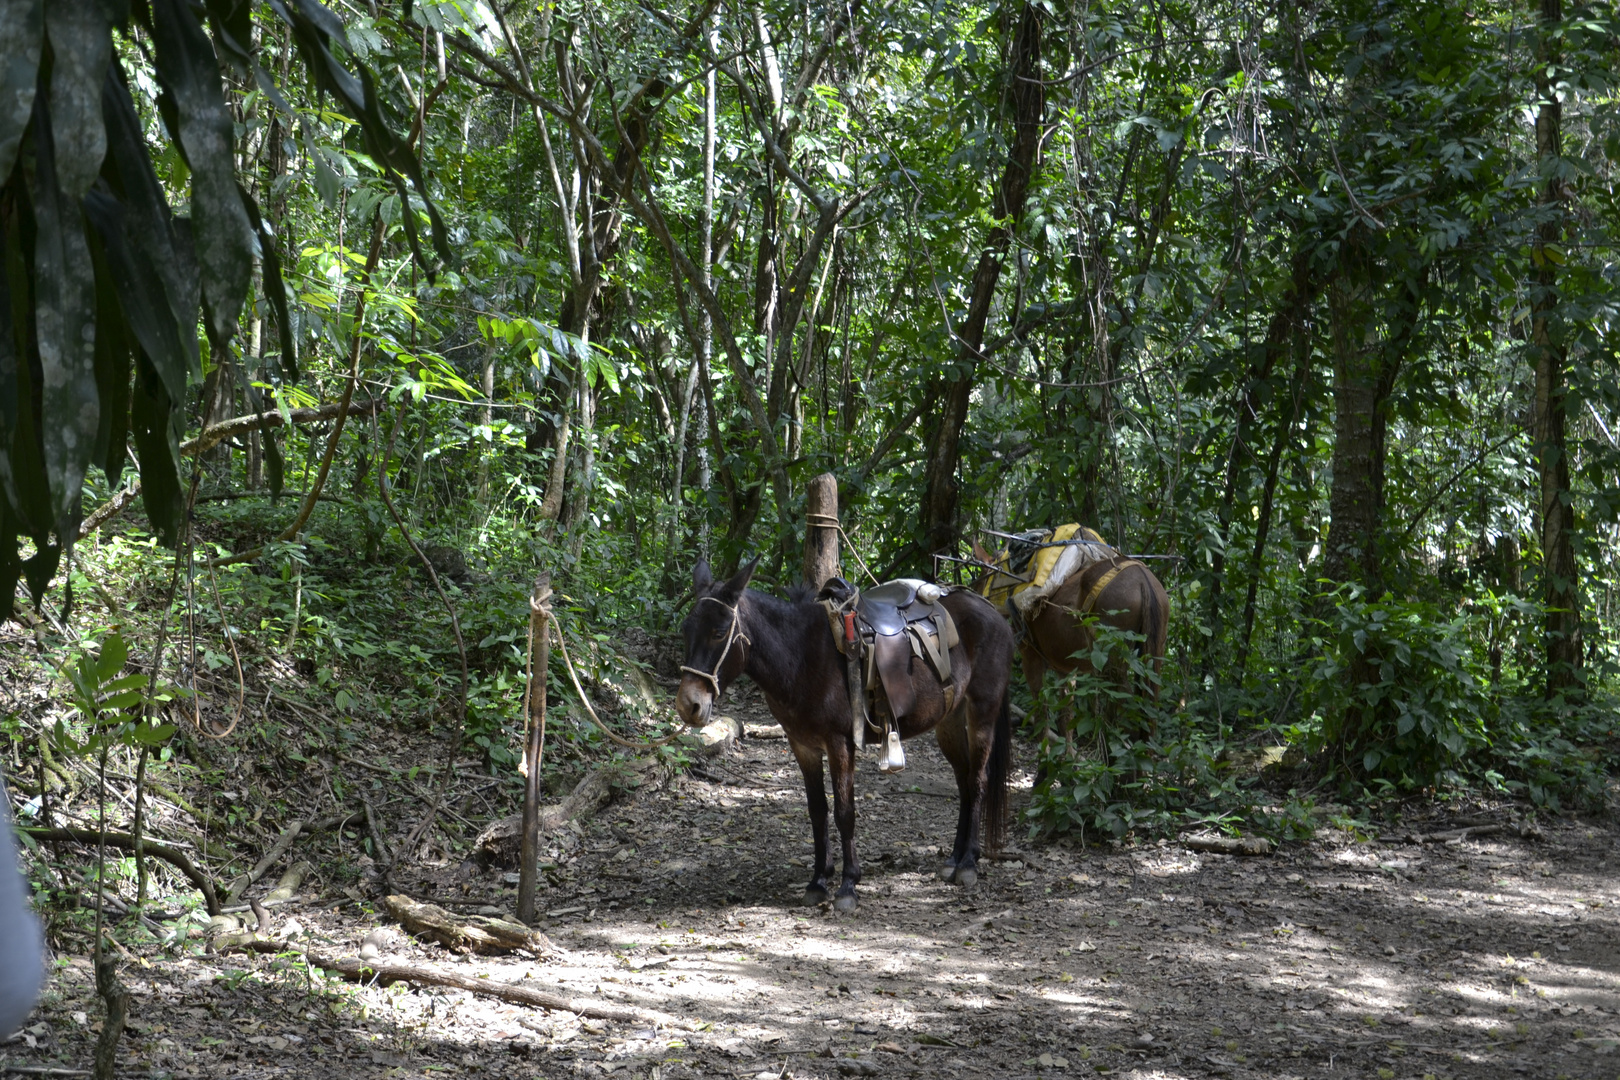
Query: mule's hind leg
x: 952, y: 735
x: 841, y: 761
x: 815, y: 793
x: 1035, y: 676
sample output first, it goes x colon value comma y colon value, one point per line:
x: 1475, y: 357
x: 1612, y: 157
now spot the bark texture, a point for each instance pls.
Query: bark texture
x: 1559, y: 574
x: 1027, y: 97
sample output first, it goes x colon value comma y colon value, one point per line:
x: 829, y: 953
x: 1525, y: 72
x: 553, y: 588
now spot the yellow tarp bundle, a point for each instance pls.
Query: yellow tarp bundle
x: 1048, y: 568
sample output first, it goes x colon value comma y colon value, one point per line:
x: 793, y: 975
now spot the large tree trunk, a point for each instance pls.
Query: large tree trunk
x: 1027, y: 94
x: 1562, y: 625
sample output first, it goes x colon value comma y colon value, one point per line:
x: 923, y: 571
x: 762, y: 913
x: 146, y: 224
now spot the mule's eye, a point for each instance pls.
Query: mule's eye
x: 714, y: 635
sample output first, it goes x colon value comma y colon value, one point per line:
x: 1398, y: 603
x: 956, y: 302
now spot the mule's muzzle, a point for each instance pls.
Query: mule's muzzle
x: 694, y: 701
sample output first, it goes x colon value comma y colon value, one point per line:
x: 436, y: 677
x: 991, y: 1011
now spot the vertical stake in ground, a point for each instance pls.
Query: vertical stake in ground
x: 821, y: 530
x: 534, y: 744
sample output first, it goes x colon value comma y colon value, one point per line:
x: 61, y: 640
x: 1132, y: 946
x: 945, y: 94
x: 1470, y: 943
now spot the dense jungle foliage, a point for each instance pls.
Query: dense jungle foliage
x: 1316, y: 302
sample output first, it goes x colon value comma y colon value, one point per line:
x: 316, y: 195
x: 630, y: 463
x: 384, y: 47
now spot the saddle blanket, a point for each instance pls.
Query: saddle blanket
x: 1048, y: 558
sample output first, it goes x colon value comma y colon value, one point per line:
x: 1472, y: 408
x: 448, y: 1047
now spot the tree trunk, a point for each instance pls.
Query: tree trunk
x: 1361, y: 384
x: 1559, y: 574
x: 1028, y: 101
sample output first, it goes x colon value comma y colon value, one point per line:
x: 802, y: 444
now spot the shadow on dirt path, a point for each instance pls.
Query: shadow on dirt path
x: 1494, y: 957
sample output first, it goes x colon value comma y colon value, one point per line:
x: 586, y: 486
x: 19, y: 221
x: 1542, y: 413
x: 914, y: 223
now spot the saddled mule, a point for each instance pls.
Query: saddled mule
x: 787, y: 648
x: 1130, y: 598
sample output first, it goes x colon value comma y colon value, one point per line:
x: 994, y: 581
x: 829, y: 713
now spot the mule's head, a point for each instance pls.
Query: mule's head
x: 985, y: 558
x: 716, y: 645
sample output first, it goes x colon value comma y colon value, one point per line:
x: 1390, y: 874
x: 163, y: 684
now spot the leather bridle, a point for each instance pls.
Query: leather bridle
x: 734, y: 635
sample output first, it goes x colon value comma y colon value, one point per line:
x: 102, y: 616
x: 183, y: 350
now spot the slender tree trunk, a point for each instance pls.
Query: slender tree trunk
x: 1028, y: 105
x: 1285, y: 435
x: 694, y: 402
x: 1285, y: 325
x: 486, y: 417
x: 255, y: 461
x: 1559, y: 574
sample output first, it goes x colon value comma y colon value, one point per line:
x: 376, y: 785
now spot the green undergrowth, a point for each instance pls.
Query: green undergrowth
x: 1434, y: 724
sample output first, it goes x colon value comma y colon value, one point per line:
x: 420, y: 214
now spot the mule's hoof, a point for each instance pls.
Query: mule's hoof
x: 947, y: 872
x: 845, y: 904
x: 967, y: 877
x: 815, y: 897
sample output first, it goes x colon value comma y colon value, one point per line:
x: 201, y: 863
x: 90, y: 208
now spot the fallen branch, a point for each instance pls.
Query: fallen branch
x: 500, y: 841
x: 362, y: 971
x: 233, y: 894
x: 1448, y: 836
x: 479, y: 932
x: 213, y: 436
x: 1019, y: 857
x: 177, y: 859
x: 1228, y: 845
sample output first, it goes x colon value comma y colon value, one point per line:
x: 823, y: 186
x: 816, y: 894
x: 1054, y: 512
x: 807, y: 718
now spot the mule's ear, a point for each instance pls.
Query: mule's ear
x: 981, y: 554
x: 739, y: 581
x: 702, y: 579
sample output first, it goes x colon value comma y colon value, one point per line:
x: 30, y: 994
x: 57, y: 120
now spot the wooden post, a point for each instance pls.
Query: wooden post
x: 821, y: 530
x: 534, y: 745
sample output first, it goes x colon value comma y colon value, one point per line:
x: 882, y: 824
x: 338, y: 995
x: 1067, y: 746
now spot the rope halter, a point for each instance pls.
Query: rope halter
x: 734, y: 635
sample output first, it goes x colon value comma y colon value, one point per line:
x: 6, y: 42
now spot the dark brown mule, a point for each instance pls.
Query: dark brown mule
x: 1132, y: 600
x: 786, y: 647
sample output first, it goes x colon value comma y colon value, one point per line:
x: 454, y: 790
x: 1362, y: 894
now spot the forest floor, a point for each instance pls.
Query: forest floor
x: 1495, y: 956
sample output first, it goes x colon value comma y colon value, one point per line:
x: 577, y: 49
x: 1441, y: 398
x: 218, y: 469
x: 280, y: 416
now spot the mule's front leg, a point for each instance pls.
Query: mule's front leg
x: 841, y: 759
x: 815, y: 794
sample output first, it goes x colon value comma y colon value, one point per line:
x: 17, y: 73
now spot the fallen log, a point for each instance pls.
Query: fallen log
x: 499, y: 842
x: 126, y: 842
x: 714, y: 738
x: 1228, y: 845
x: 386, y: 973
x: 482, y: 933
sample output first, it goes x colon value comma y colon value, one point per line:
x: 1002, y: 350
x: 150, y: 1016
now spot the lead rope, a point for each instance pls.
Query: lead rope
x: 562, y: 647
x: 828, y: 521
x: 732, y: 638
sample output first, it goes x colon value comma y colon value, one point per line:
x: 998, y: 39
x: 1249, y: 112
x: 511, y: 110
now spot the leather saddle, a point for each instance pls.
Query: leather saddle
x: 896, y: 623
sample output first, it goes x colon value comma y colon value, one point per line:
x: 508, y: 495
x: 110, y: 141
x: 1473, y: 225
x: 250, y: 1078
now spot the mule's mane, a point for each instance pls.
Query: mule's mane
x: 783, y: 634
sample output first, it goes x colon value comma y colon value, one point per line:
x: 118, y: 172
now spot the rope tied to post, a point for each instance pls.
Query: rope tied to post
x: 830, y: 521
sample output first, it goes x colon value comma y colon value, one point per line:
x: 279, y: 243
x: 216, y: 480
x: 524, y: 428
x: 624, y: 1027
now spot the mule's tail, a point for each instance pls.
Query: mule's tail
x: 1154, y: 631
x: 995, y: 784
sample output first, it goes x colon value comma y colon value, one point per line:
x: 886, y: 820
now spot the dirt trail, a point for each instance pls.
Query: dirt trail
x: 1491, y: 957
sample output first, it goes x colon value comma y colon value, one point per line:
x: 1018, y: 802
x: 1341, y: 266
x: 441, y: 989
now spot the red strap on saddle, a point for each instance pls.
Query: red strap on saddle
x: 849, y: 626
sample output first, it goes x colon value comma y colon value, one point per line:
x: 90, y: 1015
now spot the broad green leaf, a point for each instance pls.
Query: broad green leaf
x: 64, y: 320
x: 313, y: 27
x: 153, y: 734
x: 187, y: 69
x: 232, y: 21
x: 158, y: 446
x: 22, y: 468
x: 114, y: 653
x: 146, y: 310
x: 22, y: 32
x: 80, y: 34
x: 153, y: 232
x: 275, y: 289
x: 112, y: 370
x: 10, y: 565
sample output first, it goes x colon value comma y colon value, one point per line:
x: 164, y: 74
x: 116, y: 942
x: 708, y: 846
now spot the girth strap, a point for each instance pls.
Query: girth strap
x: 1096, y: 590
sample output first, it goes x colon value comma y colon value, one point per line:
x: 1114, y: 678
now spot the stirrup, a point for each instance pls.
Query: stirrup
x: 894, y: 755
